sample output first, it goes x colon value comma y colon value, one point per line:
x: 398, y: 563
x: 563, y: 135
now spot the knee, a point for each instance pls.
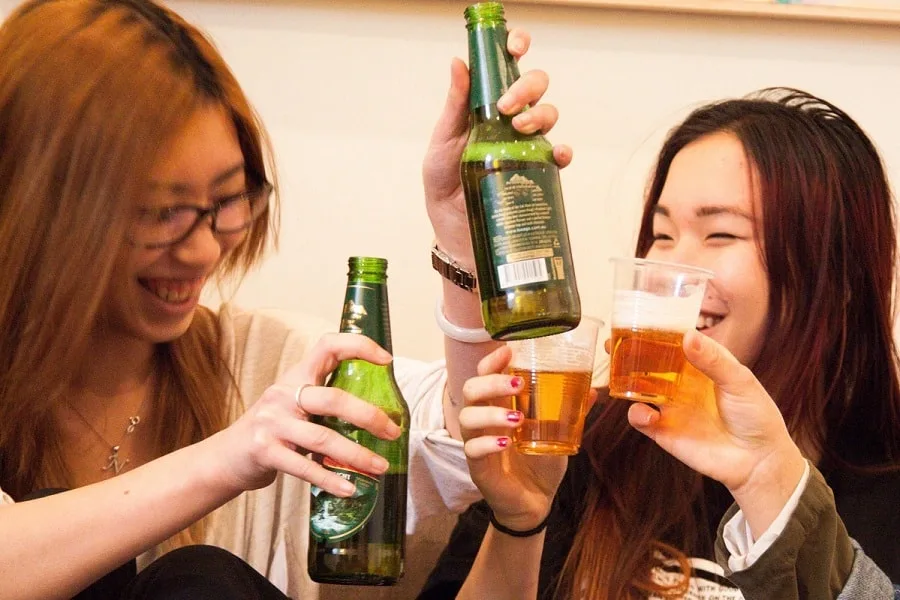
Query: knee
x: 200, y: 572
x: 199, y: 558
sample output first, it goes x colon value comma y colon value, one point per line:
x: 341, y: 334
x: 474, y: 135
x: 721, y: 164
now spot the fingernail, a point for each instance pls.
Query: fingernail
x: 379, y: 463
x: 516, y: 382
x: 696, y: 341
x: 524, y: 123
x: 503, y: 442
x: 346, y: 487
x: 393, y: 429
x: 514, y: 416
x: 516, y: 46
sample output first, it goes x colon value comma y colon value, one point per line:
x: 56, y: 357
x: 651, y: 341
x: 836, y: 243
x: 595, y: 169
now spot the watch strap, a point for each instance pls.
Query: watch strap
x: 451, y: 270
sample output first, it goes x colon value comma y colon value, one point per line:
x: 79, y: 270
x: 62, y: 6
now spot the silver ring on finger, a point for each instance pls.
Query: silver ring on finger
x: 298, y: 396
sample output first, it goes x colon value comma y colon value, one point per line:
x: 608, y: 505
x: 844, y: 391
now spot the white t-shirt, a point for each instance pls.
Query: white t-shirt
x: 269, y: 527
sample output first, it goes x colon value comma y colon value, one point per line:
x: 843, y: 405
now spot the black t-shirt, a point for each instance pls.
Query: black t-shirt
x: 869, y: 507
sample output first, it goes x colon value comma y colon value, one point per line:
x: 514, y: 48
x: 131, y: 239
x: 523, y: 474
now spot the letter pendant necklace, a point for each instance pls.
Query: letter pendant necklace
x: 114, y: 463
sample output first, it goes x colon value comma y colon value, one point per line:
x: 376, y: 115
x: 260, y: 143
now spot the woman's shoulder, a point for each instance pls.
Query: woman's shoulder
x: 267, y: 335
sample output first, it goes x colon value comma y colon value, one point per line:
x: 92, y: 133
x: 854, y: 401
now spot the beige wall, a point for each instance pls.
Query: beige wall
x: 350, y: 90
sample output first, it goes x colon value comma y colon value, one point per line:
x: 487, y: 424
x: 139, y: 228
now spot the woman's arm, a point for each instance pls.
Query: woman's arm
x: 811, y: 556
x: 447, y: 208
x: 506, y: 568
x: 519, y: 490
x: 54, y: 546
x: 788, y: 541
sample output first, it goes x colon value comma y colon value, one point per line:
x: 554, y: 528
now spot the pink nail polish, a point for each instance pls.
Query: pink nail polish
x: 516, y: 382
x: 503, y: 442
x: 513, y: 416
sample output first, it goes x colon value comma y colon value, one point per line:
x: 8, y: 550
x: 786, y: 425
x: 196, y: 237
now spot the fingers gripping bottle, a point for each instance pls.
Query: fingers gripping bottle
x: 360, y: 540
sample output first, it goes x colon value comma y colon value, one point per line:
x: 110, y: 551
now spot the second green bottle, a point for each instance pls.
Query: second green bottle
x: 514, y: 201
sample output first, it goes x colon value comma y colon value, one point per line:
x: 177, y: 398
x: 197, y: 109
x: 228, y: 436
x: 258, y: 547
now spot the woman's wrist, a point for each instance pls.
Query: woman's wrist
x: 762, y: 497
x: 458, y: 248
x: 518, y: 531
x: 467, y: 335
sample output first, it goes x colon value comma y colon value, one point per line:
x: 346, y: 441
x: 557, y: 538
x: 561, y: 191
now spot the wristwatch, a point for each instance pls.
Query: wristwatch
x: 451, y: 270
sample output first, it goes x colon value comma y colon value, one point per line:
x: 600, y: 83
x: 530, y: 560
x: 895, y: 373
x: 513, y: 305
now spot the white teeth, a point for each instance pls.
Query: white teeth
x: 172, y: 295
x: 705, y: 322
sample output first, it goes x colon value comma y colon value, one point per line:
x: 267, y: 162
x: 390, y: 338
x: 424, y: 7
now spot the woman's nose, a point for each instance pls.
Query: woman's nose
x: 201, y: 247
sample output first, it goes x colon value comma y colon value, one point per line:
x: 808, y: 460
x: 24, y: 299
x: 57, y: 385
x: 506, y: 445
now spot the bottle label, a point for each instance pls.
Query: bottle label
x: 366, y: 312
x: 524, y: 219
x: 333, y: 518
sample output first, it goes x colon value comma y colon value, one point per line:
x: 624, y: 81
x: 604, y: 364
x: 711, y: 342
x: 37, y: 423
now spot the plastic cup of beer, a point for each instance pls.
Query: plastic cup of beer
x: 556, y: 371
x: 654, y: 304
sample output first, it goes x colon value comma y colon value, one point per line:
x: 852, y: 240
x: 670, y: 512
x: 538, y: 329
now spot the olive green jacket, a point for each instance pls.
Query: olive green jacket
x: 813, y: 559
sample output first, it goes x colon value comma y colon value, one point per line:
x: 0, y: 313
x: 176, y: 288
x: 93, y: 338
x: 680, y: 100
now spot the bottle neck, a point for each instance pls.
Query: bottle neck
x: 366, y: 311
x: 491, y: 68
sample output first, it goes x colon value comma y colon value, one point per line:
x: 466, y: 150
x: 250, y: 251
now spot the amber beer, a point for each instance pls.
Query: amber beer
x: 646, y: 364
x: 554, y: 404
x: 654, y: 304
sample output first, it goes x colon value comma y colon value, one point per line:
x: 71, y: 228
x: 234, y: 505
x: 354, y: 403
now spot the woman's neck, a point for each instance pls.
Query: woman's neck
x: 114, y: 367
x: 103, y: 420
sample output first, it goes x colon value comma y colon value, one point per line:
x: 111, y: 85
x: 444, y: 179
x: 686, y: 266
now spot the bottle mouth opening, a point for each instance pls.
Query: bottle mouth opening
x: 367, y: 264
x: 484, y: 12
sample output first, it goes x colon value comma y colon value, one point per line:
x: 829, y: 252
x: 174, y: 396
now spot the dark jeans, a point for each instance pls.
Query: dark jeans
x: 189, y: 573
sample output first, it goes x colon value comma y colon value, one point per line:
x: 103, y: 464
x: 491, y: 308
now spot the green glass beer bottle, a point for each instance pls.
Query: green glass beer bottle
x: 514, y: 200
x: 360, y: 540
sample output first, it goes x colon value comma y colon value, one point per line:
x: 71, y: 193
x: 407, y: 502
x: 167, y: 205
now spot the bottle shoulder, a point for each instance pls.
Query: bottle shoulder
x: 490, y: 148
x: 370, y: 382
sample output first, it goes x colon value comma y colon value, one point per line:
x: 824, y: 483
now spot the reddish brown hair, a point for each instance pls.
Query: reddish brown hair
x: 91, y: 91
x: 829, y: 360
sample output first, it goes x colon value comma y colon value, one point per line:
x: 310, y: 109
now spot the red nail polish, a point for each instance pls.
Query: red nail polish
x: 513, y: 416
x: 503, y: 442
x: 516, y: 382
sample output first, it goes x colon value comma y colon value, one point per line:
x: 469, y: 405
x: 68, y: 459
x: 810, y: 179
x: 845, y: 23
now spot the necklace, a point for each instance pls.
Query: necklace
x: 113, y: 463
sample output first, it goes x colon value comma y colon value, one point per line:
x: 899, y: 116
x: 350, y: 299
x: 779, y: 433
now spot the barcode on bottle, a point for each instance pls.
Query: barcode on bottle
x: 522, y: 272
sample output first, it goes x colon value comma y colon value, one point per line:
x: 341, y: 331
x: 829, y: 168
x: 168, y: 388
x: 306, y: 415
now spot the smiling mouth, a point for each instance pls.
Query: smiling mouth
x: 707, y: 321
x: 173, y: 291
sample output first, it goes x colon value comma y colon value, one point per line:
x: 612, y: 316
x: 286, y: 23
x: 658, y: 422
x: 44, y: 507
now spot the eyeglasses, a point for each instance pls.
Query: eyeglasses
x: 166, y: 226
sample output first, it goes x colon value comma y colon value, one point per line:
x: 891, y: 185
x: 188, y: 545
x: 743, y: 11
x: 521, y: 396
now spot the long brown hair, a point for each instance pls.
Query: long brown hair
x: 91, y: 91
x: 829, y: 360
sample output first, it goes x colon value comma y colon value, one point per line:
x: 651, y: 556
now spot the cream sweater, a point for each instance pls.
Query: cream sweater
x: 268, y: 527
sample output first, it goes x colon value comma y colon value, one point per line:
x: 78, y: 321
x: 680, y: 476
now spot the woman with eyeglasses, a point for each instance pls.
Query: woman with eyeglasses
x: 134, y: 422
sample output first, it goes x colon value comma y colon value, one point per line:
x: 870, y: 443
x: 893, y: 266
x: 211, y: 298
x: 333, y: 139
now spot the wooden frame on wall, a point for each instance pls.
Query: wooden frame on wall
x: 848, y: 11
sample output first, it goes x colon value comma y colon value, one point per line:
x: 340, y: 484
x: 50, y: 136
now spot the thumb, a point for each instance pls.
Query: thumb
x: 716, y: 362
x: 454, y: 121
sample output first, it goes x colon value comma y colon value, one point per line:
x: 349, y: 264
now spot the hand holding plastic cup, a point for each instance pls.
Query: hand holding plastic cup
x: 654, y: 304
x: 556, y: 371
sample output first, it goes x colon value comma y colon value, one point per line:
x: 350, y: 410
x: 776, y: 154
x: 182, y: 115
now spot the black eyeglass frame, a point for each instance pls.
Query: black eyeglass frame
x: 262, y: 193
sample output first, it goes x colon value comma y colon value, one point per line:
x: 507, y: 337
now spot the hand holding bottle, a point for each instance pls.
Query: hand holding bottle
x: 739, y: 439
x: 440, y: 170
x: 519, y: 488
x: 265, y: 439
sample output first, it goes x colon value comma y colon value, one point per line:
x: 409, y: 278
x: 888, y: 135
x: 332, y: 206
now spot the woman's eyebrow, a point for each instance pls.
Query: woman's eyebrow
x: 708, y: 211
x: 180, y: 188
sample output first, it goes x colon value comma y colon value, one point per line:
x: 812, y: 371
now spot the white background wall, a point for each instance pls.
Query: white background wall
x: 349, y: 91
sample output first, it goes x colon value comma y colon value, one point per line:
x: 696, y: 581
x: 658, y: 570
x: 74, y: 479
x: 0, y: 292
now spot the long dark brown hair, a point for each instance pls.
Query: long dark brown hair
x: 829, y: 359
x: 91, y: 92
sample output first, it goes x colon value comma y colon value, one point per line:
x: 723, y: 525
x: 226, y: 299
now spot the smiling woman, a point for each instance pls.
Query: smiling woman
x: 785, y: 199
x: 148, y: 445
x: 705, y: 217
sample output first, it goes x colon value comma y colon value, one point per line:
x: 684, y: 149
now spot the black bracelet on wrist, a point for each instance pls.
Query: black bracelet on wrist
x: 521, y: 534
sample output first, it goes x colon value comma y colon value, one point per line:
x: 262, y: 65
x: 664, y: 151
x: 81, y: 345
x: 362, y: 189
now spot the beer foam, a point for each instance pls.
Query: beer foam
x: 634, y: 309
